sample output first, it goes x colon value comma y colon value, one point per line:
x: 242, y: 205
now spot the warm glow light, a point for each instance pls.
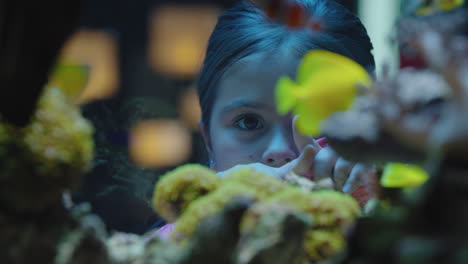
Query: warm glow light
x: 189, y: 108
x: 159, y: 143
x: 98, y: 50
x: 178, y: 38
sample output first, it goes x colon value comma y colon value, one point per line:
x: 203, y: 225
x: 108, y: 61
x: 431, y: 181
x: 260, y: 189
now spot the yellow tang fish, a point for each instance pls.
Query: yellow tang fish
x: 69, y: 77
x: 439, y: 5
x: 398, y: 175
x: 326, y: 83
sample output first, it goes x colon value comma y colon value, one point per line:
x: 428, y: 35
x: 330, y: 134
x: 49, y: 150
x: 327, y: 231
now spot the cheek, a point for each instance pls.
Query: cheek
x: 228, y: 151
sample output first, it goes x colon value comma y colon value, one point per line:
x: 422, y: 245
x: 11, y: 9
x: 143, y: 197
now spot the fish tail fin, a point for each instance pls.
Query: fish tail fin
x: 285, y: 98
x: 397, y: 175
x: 70, y: 77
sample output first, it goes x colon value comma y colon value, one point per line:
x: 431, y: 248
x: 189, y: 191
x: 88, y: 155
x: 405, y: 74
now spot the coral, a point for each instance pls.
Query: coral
x: 216, y: 238
x: 281, y: 215
x: 331, y: 215
x: 26, y: 238
x: 57, y: 135
x: 209, y: 205
x: 326, y: 207
x: 125, y: 248
x: 178, y: 188
x: 53, y: 235
x: 273, y: 233
x: 84, y: 243
x: 161, y: 252
x: 265, y: 184
x: 323, y: 243
x: 49, y: 155
x: 393, y: 121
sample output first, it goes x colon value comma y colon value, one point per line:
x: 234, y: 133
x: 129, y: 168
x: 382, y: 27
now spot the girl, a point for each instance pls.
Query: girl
x: 246, y: 55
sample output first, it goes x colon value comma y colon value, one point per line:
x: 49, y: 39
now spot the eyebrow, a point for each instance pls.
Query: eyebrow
x: 243, y: 103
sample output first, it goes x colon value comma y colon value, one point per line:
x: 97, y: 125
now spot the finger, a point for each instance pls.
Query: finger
x: 341, y: 172
x: 271, y: 171
x: 305, y: 161
x: 301, y: 140
x: 355, y: 178
x: 324, y: 163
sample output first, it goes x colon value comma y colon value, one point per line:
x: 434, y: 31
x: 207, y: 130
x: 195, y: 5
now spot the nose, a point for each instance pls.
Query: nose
x: 279, y: 150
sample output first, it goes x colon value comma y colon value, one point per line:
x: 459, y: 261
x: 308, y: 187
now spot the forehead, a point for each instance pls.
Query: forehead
x: 255, y: 76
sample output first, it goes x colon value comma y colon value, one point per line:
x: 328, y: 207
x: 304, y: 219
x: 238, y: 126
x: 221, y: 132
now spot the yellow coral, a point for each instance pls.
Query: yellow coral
x: 323, y: 243
x: 265, y: 184
x: 331, y: 213
x: 326, y: 207
x: 178, y: 188
x: 58, y: 139
x: 257, y: 210
x: 59, y: 135
x: 210, y: 205
x: 49, y: 154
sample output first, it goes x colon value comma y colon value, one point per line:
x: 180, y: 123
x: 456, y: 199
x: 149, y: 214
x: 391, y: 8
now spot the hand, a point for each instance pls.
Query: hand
x: 324, y: 162
x: 299, y: 166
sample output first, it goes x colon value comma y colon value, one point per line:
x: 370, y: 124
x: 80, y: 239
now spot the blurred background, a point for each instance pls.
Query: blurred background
x: 143, y: 59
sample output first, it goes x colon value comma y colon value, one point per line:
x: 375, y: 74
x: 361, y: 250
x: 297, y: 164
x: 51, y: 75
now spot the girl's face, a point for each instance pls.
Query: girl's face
x: 245, y: 126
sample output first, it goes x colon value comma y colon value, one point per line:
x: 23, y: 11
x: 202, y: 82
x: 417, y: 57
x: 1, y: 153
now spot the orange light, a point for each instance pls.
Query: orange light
x: 189, y: 108
x: 178, y: 38
x: 159, y: 143
x: 98, y: 50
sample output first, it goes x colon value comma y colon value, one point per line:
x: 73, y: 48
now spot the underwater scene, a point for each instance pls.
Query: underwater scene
x: 234, y: 131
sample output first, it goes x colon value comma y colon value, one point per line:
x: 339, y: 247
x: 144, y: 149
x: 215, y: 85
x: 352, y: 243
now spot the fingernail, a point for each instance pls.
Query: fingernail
x: 347, y: 188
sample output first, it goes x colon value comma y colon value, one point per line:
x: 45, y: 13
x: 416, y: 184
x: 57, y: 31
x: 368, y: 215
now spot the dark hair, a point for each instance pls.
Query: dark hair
x: 245, y: 29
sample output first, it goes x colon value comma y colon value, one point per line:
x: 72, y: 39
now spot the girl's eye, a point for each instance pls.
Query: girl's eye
x: 249, y: 122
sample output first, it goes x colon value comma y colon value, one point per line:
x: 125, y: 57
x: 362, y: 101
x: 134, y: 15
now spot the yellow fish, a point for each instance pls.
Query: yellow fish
x: 69, y: 77
x: 326, y: 83
x: 439, y: 5
x: 398, y: 175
